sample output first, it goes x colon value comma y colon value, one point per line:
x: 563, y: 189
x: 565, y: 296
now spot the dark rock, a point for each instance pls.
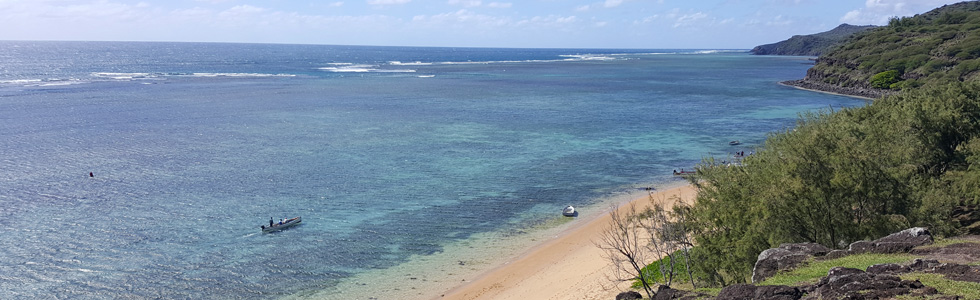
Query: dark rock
x: 922, y: 265
x: 786, y: 256
x: 842, y: 271
x: 964, y: 253
x: 667, y: 293
x: 765, y: 292
x: 959, y: 272
x: 631, y: 295
x: 860, y: 247
x: 849, y: 283
x: 814, y: 82
x: 903, y: 241
x: 736, y: 292
x: 778, y: 292
x: 899, y: 242
x: 836, y: 254
x: 889, y: 269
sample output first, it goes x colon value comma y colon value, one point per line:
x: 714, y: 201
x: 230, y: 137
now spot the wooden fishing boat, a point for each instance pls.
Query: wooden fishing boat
x: 282, y: 224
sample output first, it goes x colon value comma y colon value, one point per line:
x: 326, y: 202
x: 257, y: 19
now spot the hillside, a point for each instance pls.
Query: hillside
x: 811, y: 44
x: 939, y: 46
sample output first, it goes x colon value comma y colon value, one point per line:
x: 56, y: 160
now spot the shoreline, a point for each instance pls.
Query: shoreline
x: 568, y: 266
x: 807, y: 86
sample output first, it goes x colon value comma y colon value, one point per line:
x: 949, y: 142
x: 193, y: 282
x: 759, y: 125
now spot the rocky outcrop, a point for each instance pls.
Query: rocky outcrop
x: 763, y: 292
x: 856, y: 91
x: 667, y: 293
x: 789, y: 256
x: 965, y: 252
x: 849, y: 283
x: 785, y: 257
x: 952, y: 271
x: 899, y: 242
x: 811, y: 44
x: 630, y: 295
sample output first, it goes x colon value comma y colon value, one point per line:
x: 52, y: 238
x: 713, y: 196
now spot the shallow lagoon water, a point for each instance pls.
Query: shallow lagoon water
x: 398, y: 159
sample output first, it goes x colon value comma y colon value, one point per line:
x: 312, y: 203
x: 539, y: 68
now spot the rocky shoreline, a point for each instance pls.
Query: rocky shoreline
x: 861, y: 92
x: 880, y: 281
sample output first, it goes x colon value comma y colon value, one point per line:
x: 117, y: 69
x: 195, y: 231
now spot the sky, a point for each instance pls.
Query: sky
x: 643, y: 24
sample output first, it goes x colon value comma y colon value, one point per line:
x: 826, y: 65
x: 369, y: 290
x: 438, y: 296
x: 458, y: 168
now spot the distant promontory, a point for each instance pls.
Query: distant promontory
x: 933, y: 48
x: 811, y: 44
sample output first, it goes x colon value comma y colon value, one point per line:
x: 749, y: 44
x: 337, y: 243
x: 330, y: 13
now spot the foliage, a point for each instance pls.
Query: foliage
x: 932, y: 48
x: 653, y: 273
x: 625, y: 248
x: 840, y: 177
x: 885, y: 79
x: 811, y: 44
x: 814, y: 270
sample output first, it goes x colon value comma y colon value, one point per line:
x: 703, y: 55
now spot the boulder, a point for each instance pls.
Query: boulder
x: 899, y: 242
x: 667, y: 293
x: 850, y: 283
x: 786, y: 256
x: 765, y: 292
x: 630, y: 295
x: 951, y: 271
x: 889, y: 269
x: 903, y: 241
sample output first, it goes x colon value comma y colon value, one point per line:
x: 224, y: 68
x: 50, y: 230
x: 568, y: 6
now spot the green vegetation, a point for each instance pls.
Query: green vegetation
x: 840, y: 177
x: 814, y: 270
x: 861, y: 173
x: 964, y: 289
x: 653, y: 273
x: 812, y: 44
x: 940, y: 46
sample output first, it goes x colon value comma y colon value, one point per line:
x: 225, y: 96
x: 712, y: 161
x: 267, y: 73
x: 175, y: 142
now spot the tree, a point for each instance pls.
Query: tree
x: 669, y: 237
x: 624, y: 246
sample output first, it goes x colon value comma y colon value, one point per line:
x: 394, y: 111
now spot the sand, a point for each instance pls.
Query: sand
x: 570, y: 266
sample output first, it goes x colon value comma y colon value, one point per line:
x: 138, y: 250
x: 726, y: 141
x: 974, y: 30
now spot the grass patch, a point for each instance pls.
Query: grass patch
x: 967, y: 290
x: 939, y: 243
x: 814, y: 270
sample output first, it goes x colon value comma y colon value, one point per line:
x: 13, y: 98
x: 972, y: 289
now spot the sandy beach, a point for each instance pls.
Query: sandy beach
x: 569, y: 266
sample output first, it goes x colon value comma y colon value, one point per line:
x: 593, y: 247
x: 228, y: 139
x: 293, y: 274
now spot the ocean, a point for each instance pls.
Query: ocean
x: 138, y: 170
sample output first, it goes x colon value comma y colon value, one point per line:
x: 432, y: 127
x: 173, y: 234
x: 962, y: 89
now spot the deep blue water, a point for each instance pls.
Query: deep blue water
x: 386, y: 152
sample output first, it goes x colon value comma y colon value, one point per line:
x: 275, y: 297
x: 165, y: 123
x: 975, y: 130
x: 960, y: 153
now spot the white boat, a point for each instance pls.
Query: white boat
x: 282, y: 224
x: 569, y: 211
x: 734, y: 143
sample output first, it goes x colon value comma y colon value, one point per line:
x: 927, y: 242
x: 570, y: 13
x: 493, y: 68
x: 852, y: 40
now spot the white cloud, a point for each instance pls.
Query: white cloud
x: 612, y: 3
x: 689, y: 19
x: 466, y: 3
x: 877, y: 12
x: 387, y: 2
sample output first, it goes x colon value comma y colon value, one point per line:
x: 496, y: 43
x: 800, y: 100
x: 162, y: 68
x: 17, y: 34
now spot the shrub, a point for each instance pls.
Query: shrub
x: 885, y: 79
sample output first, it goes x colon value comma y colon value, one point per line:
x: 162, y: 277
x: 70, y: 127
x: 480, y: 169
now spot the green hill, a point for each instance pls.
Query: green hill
x: 910, y: 159
x: 939, y: 46
x: 812, y: 44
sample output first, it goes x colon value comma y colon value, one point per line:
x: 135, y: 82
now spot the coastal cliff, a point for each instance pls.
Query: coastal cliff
x: 936, y: 47
x: 811, y: 44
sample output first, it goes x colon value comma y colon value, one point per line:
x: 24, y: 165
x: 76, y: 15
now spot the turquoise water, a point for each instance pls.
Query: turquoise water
x: 391, y: 155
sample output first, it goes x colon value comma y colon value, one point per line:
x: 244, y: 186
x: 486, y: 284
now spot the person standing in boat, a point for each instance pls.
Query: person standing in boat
x: 270, y: 221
